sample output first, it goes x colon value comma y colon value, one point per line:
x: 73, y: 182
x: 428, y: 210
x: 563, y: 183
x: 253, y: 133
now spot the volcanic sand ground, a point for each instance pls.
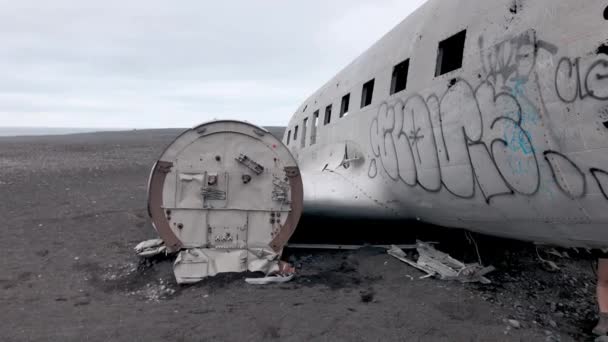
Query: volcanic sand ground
x: 72, y: 208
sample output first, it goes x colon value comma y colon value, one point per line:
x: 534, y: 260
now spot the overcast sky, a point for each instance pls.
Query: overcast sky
x: 159, y: 63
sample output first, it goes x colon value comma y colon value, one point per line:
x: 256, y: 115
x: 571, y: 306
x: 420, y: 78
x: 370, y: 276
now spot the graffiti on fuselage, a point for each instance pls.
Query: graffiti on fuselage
x: 480, y: 136
x: 572, y: 83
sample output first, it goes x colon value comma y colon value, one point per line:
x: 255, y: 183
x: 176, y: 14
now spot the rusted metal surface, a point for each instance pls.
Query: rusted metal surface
x: 297, y: 206
x: 155, y: 206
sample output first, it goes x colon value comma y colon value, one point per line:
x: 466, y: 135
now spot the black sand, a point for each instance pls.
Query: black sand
x: 72, y: 208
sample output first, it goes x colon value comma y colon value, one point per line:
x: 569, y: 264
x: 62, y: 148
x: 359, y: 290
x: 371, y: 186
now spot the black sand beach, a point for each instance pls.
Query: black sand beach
x: 72, y: 207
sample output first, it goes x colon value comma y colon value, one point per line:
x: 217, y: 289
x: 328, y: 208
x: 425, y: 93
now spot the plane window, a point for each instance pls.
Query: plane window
x: 345, y: 104
x: 399, y: 79
x: 450, y: 53
x: 606, y: 13
x: 288, y: 137
x: 304, y: 124
x: 313, y: 127
x: 367, y: 94
x: 327, y: 115
x: 295, y: 134
x: 305, y: 108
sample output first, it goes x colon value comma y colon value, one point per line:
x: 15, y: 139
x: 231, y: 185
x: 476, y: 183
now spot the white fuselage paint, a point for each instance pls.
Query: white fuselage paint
x: 514, y: 143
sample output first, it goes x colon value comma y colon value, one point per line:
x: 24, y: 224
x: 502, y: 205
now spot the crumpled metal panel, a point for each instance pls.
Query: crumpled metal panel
x: 193, y: 265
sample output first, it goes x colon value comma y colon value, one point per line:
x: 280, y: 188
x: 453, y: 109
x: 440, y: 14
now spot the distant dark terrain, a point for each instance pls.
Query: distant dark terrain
x: 73, y: 207
x: 41, y: 131
x: 32, y: 131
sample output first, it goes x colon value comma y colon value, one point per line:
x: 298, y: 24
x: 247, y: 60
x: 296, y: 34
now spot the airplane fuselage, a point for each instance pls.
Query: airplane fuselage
x: 486, y: 115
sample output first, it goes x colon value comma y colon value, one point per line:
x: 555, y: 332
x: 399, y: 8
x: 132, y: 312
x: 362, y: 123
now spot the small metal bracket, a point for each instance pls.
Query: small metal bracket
x: 165, y: 167
x: 292, y: 171
x: 255, y: 167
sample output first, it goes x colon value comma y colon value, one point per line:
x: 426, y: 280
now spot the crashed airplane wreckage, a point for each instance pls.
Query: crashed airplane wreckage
x: 225, y: 196
x: 494, y: 121
x: 491, y: 116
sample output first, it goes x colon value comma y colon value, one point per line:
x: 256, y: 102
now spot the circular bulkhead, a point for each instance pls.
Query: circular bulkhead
x: 225, y: 185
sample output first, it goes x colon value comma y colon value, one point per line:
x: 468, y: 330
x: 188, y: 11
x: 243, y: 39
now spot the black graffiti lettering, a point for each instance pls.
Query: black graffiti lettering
x: 486, y: 180
x: 563, y: 187
x: 592, y: 83
x: 603, y: 186
x: 460, y: 122
x: 372, y: 172
x: 418, y: 129
x: 518, y: 184
x: 513, y: 59
x: 475, y: 138
x: 598, y: 73
x: 565, y: 67
x: 402, y: 136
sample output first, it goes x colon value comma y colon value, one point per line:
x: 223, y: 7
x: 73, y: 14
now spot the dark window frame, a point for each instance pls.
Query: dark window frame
x: 303, y: 138
x: 367, y: 93
x: 314, y: 127
x: 344, y: 106
x: 450, y: 53
x: 399, y: 77
x: 327, y: 117
x: 288, y: 137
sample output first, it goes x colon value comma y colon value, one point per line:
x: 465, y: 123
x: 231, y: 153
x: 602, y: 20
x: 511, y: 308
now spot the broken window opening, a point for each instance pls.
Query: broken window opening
x: 367, y: 93
x: 344, y: 106
x: 288, y: 137
x: 313, y: 127
x: 399, y: 79
x: 327, y: 115
x: 295, y: 134
x: 303, y: 141
x: 451, y: 53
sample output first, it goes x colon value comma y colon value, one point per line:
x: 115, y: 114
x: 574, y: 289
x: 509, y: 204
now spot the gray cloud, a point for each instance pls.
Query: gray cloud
x: 175, y: 64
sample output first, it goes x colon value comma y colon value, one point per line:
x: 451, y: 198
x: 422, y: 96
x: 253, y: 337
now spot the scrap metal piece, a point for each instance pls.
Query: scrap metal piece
x: 196, y: 264
x: 274, y: 279
x: 150, y: 248
x: 193, y: 265
x: 434, y: 262
x: 441, y: 263
x: 283, y: 273
x: 399, y: 254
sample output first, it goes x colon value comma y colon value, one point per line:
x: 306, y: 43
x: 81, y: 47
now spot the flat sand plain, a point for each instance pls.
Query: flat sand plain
x: 72, y: 207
